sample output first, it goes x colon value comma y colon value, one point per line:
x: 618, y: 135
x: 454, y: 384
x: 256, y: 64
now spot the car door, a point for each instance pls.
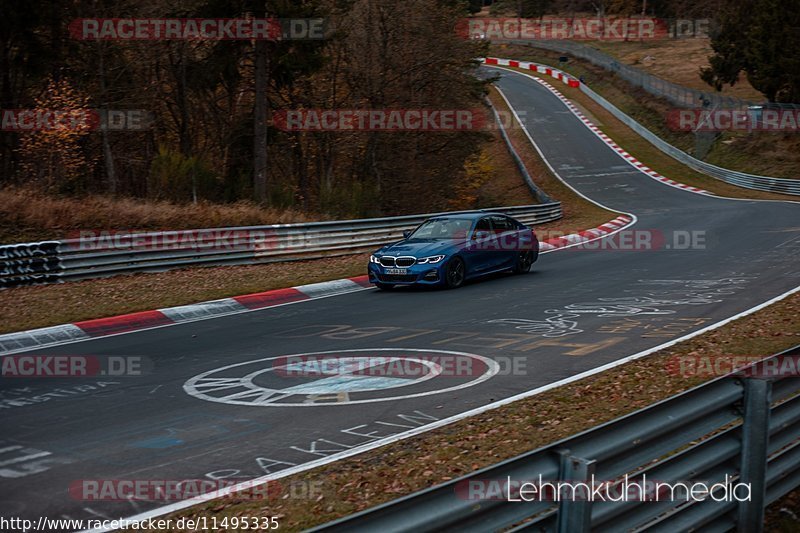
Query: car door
x: 506, y: 242
x: 480, y: 246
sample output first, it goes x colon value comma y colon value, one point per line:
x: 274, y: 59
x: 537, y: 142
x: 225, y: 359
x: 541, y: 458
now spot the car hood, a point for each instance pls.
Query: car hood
x: 420, y: 247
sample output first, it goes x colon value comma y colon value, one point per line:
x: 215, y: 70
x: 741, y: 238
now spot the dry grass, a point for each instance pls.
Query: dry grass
x: 631, y: 101
x: 39, y: 306
x: 492, y: 178
x: 676, y: 60
x: 783, y: 516
x: 506, y: 185
x: 440, y: 455
x: 769, y: 154
x: 578, y: 213
x: 413, y: 464
x: 28, y: 214
x: 46, y: 305
x: 654, y: 158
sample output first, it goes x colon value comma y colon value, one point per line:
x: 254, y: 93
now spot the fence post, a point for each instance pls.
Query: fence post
x: 755, y: 440
x: 575, y: 516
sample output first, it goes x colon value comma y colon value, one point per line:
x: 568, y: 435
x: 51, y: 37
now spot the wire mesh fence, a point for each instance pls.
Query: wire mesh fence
x: 674, y: 93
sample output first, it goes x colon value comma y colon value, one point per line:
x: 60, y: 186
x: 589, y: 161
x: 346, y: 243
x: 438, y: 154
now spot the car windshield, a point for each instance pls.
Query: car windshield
x: 442, y: 228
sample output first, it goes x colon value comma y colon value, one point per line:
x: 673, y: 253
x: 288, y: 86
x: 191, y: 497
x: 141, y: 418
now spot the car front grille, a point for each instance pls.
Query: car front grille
x: 404, y: 261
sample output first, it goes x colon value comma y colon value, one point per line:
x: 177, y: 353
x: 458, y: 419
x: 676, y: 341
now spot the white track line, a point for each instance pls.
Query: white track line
x: 542, y: 83
x: 184, y: 321
x: 177, y: 506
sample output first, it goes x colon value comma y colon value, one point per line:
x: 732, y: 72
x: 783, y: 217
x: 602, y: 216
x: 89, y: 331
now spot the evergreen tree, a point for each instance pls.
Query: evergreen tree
x: 761, y: 38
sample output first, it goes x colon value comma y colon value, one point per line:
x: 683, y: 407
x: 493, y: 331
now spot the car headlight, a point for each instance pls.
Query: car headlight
x: 373, y: 259
x: 429, y: 260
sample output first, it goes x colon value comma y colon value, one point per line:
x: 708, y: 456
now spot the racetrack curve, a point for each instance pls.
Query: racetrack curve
x: 577, y: 310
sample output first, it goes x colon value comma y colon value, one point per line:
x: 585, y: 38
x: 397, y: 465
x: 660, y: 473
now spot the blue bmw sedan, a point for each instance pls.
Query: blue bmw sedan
x: 447, y: 250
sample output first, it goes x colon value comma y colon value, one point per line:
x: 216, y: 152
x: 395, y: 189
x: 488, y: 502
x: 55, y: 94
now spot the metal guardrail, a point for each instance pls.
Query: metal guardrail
x: 747, y: 428
x: 537, y: 192
x: 740, y: 179
x: 111, y: 254
x: 676, y: 94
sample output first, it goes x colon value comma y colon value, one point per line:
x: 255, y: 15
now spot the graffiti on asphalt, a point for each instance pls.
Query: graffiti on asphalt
x: 662, y: 300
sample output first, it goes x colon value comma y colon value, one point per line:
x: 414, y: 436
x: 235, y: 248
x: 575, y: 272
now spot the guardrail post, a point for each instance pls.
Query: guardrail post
x: 755, y: 439
x: 575, y: 515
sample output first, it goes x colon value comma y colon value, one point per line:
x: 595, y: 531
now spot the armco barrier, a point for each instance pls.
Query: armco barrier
x: 676, y: 94
x: 740, y: 179
x: 537, y: 192
x: 109, y: 255
x: 747, y: 428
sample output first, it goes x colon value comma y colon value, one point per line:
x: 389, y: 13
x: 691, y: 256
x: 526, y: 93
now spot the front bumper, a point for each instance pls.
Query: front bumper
x: 415, y: 274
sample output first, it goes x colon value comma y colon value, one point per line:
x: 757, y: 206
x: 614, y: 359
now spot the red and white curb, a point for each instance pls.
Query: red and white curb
x: 102, y: 327
x: 380, y: 442
x: 586, y: 235
x: 541, y: 69
x: 572, y: 82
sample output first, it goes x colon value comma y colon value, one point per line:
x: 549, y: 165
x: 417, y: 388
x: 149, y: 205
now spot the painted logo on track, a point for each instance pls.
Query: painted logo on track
x: 341, y: 377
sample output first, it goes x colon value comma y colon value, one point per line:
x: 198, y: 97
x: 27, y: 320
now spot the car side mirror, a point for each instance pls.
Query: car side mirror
x: 480, y: 235
x: 407, y: 233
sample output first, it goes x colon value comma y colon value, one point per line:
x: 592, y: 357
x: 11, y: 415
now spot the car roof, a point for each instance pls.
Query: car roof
x: 467, y: 216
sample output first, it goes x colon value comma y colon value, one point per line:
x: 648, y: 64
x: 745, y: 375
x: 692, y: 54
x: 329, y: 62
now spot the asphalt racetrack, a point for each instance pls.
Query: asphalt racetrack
x: 213, y: 404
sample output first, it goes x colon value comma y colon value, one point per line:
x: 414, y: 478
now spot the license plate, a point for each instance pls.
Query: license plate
x: 397, y: 271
